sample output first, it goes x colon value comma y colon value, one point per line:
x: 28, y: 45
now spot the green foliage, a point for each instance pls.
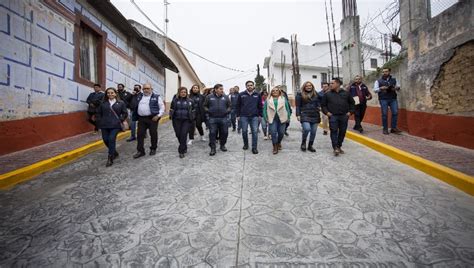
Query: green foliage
x: 260, y: 84
x: 393, y: 63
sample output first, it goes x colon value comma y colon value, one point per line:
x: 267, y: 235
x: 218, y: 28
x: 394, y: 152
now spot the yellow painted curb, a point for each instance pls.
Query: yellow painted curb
x: 14, y: 177
x: 453, y: 177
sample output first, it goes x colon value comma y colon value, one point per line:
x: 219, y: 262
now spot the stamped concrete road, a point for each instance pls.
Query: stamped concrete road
x: 295, y: 209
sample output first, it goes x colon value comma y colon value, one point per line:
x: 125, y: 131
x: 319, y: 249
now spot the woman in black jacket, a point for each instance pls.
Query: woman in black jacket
x: 110, y: 115
x: 307, y: 112
x: 198, y: 101
x: 182, y: 115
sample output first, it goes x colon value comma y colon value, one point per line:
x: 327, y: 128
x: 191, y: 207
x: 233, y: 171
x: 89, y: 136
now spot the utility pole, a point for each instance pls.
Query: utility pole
x: 165, y: 3
x: 329, y: 38
x: 334, y: 35
x: 295, y: 64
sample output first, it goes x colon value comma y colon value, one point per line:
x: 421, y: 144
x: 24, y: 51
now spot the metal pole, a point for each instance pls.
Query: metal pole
x: 329, y: 38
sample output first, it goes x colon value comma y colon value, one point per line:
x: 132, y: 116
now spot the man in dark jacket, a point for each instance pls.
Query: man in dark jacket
x: 218, y: 106
x: 124, y: 95
x: 149, y: 109
x: 132, y: 104
x: 249, y: 111
x: 360, y: 92
x: 338, y: 105
x: 386, y: 87
x: 94, y: 100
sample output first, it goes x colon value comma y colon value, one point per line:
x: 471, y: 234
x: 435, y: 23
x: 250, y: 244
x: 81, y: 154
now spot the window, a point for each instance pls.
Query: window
x: 324, y: 77
x: 373, y: 63
x: 315, y: 76
x: 88, y: 55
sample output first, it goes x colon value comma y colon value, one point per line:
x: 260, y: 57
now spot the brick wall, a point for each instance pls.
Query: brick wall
x: 453, y: 90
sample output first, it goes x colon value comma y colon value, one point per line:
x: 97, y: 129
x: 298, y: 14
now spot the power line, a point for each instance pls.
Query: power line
x: 194, y: 53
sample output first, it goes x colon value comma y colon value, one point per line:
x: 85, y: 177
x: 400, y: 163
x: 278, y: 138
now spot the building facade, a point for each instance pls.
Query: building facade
x: 314, y: 63
x: 51, y: 55
x: 186, y: 76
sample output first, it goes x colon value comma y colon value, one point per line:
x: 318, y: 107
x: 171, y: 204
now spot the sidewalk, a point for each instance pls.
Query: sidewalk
x: 455, y: 157
x: 16, y: 160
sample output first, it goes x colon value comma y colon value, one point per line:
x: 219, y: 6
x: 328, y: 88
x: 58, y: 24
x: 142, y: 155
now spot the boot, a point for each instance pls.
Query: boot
x: 310, y: 147
x: 116, y: 154
x: 275, y: 148
x: 303, y: 146
x: 213, y: 151
x: 110, y: 160
x: 279, y: 146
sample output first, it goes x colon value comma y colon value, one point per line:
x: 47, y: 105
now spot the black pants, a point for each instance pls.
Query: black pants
x: 359, y: 115
x: 338, y: 127
x: 144, y: 123
x: 216, y: 125
x: 181, y: 129
x: 90, y: 115
x: 197, y: 123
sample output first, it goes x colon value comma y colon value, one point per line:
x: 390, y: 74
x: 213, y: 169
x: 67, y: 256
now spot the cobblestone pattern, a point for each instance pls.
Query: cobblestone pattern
x: 455, y: 157
x: 290, y: 210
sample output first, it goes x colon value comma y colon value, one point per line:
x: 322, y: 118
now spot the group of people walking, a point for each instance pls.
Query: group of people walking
x: 189, y: 110
x: 109, y: 112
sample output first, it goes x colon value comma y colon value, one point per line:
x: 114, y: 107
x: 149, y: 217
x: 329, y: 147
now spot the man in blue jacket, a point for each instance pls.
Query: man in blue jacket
x: 386, y: 87
x: 149, y: 109
x: 217, y: 105
x: 249, y: 110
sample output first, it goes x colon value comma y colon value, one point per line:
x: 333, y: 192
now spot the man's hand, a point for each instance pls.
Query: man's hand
x: 383, y: 88
x: 298, y: 118
x: 155, y: 118
x: 329, y: 114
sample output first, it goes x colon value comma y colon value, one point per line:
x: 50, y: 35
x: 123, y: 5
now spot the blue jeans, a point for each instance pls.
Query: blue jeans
x: 233, y: 118
x: 338, y: 127
x: 393, y: 104
x: 221, y: 125
x: 307, y: 129
x: 277, y: 130
x: 264, y: 126
x: 245, y: 121
x: 109, y: 136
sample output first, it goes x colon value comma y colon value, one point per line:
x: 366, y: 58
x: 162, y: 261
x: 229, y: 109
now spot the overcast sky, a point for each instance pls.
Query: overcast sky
x: 238, y: 34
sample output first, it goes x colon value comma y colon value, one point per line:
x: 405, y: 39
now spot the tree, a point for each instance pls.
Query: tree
x: 260, y: 84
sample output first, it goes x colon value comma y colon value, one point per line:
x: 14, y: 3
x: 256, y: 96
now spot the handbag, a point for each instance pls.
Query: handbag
x: 124, y: 125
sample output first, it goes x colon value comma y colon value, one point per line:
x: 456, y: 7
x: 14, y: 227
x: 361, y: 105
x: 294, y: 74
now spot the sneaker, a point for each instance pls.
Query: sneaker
x: 131, y: 139
x: 385, y: 131
x: 265, y: 137
x: 138, y: 154
x: 325, y: 132
x: 190, y: 142
x: 203, y: 138
x: 336, y: 152
x: 395, y: 131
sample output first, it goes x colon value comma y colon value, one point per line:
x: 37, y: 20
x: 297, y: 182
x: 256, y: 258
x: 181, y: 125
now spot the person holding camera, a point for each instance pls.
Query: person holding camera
x: 386, y: 87
x: 182, y: 115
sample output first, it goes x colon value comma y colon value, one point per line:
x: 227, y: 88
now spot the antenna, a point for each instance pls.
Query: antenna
x: 165, y: 3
